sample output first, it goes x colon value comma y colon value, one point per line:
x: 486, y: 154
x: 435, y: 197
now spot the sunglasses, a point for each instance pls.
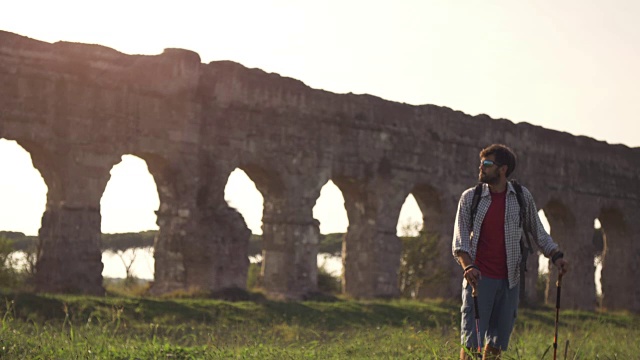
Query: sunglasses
x: 488, y: 163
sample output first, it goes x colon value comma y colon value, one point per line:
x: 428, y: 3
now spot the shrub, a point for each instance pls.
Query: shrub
x: 253, y: 275
x: 418, y: 264
x: 328, y: 283
x: 9, y: 276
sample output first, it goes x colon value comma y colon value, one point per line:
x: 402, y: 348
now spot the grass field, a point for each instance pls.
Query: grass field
x: 79, y: 327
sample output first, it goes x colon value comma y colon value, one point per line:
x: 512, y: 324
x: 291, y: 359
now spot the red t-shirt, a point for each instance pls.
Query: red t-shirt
x: 491, y: 255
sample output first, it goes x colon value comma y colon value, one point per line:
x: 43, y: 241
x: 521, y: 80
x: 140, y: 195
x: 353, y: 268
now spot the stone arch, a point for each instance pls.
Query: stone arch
x: 165, y: 179
x: 290, y: 234
x: 430, y: 203
x: 34, y: 178
x: 537, y: 269
x: 269, y: 184
x: 129, y: 203
x: 44, y: 161
x: 168, y: 255
x: 354, y: 195
x: 239, y: 181
x: 242, y: 195
x: 163, y: 175
x: 327, y: 208
x: 134, y: 164
x: 416, y: 252
x: 371, y: 249
x: 561, y: 222
x: 271, y: 188
x: 572, y: 230
x: 598, y: 244
x: 267, y: 180
x: 332, y: 219
x: 558, y: 214
x: 435, y: 229
x: 355, y: 256
x: 410, y: 220
x: 616, y: 273
x: 69, y: 228
x: 202, y: 242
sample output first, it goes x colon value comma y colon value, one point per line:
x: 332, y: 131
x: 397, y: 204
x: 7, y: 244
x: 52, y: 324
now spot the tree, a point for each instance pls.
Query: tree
x: 128, y: 264
x: 418, y: 261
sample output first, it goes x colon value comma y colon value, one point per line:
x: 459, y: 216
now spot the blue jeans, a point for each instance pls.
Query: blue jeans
x: 498, y: 308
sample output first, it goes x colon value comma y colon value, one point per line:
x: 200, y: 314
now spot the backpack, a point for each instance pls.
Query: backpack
x: 525, y: 248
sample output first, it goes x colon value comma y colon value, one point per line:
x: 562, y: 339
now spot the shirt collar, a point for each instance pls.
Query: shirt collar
x: 486, y: 192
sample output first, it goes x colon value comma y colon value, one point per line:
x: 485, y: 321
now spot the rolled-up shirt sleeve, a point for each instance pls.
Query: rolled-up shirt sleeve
x: 461, y: 232
x: 540, y: 235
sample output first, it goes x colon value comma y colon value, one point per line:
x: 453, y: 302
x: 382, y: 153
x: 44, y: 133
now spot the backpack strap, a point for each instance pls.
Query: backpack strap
x: 477, y: 193
x: 526, y: 226
x: 525, y: 249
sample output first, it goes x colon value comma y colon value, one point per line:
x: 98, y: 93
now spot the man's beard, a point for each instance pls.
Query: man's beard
x: 488, y: 178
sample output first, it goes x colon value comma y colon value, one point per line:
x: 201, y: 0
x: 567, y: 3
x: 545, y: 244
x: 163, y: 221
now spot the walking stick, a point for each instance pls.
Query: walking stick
x: 555, y: 337
x: 477, y: 315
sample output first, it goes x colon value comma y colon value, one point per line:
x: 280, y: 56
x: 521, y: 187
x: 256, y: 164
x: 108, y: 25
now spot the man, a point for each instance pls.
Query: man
x: 489, y: 253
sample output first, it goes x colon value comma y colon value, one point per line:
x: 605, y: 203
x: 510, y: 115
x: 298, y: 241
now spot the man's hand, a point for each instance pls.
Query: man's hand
x: 473, y: 275
x: 563, y: 266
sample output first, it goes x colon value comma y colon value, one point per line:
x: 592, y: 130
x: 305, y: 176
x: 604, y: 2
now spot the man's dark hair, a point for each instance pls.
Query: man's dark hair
x: 502, y: 154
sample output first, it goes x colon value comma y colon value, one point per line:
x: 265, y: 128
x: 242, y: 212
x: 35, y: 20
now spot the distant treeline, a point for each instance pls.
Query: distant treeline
x: 330, y: 243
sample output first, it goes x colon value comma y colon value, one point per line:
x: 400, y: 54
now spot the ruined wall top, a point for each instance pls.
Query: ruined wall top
x: 173, y: 110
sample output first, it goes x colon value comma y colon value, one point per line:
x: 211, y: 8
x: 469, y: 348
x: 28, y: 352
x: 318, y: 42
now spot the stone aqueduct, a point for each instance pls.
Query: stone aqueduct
x: 78, y: 108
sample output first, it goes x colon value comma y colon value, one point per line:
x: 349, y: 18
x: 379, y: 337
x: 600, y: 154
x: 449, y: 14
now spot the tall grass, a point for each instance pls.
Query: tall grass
x: 76, y: 327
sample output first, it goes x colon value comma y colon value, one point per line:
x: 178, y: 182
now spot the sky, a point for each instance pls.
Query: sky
x: 565, y: 65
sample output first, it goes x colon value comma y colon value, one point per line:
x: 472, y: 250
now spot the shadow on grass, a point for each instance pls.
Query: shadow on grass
x: 246, y: 308
x: 320, y: 312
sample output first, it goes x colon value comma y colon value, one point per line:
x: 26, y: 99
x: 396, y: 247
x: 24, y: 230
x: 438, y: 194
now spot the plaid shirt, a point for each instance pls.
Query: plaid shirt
x: 467, y: 241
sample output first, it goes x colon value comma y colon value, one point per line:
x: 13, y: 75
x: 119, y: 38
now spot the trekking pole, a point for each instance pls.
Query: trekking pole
x: 477, y: 315
x: 555, y: 337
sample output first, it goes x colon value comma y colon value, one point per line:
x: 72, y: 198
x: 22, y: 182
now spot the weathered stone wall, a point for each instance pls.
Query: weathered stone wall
x: 77, y: 108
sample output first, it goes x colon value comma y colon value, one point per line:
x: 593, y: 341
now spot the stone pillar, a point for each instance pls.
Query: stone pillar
x: 69, y: 253
x: 201, y: 250
x: 215, y: 249
x: 169, y: 272
x: 620, y: 261
x: 290, y: 243
x: 371, y: 249
x: 572, y: 229
x: 202, y: 244
x: 371, y: 258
